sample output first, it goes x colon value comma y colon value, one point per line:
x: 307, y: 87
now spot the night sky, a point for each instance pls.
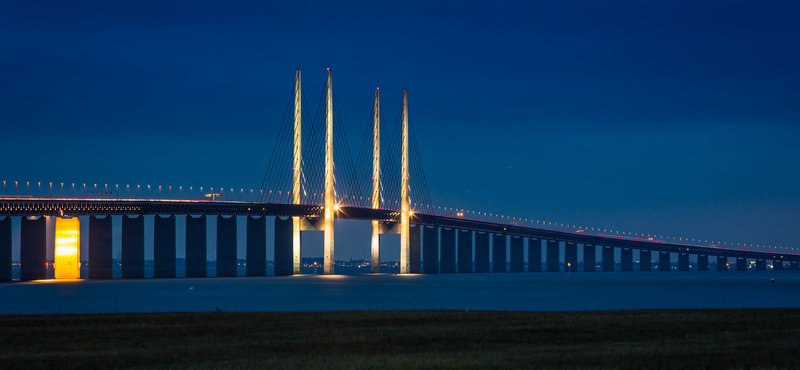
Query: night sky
x: 674, y: 118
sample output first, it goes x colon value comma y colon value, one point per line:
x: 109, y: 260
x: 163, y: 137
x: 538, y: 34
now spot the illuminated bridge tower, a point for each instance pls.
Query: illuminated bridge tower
x: 376, y: 186
x: 297, y: 174
x: 405, y: 212
x: 329, y: 193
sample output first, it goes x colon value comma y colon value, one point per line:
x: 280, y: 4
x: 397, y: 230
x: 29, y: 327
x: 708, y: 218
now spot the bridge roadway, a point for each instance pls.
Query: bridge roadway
x: 100, y: 207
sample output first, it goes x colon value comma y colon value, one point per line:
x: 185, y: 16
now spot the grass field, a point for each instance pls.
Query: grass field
x: 641, y: 339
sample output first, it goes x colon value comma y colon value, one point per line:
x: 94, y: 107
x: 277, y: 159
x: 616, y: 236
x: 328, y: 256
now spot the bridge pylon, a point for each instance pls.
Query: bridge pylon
x: 330, y: 205
x: 405, y: 211
x: 297, y: 175
x: 376, y: 186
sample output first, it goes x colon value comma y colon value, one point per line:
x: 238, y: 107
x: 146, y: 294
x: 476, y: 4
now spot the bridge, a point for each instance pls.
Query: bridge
x: 310, y: 181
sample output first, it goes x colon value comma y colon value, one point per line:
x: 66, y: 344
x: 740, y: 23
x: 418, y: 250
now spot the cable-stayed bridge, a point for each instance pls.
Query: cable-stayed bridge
x: 311, y: 180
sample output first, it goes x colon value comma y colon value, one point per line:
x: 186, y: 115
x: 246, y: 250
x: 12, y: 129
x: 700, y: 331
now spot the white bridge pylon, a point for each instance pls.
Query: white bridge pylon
x: 300, y: 224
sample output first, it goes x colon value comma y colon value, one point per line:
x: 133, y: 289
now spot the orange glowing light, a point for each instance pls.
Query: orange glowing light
x: 67, y: 248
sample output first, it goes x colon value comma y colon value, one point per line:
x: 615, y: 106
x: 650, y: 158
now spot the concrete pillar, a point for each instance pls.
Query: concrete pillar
x: 33, y: 249
x: 552, y: 255
x: 448, y: 251
x: 517, y: 254
x: 414, y: 248
x: 626, y: 259
x: 132, y: 247
x: 164, y: 247
x: 722, y: 263
x: 430, y: 250
x: 683, y: 262
x: 100, y: 259
x: 482, y: 261
x: 534, y: 255
x: 226, y: 247
x: 645, y: 260
x: 589, y: 259
x: 464, y: 251
x: 5, y: 249
x: 702, y: 262
x: 741, y: 264
x: 777, y: 264
x: 608, y: 259
x: 284, y: 252
x: 570, y: 257
x: 499, y: 246
x: 256, y: 264
x: 761, y: 265
x: 663, y: 261
x: 794, y: 266
x: 196, y: 247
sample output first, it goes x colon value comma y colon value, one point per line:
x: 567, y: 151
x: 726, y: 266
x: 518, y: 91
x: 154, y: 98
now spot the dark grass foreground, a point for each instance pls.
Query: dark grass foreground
x: 651, y: 339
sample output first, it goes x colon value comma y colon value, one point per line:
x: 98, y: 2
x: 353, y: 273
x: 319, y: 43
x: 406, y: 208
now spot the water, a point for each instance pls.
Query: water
x: 509, y: 291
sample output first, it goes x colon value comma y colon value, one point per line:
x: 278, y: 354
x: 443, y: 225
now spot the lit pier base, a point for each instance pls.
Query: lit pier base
x: 482, y: 263
x: 741, y: 264
x: 553, y: 257
x: 517, y: 254
x: 464, y: 251
x: 100, y: 263
x: 414, y: 249
x: 534, y: 255
x: 570, y: 257
x: 626, y: 259
x: 645, y: 260
x: 722, y: 263
x: 608, y: 259
x: 226, y: 246
x: 5, y: 249
x: 196, y: 248
x: 164, y: 247
x: 256, y: 246
x: 702, y: 262
x: 761, y: 265
x: 683, y: 262
x: 430, y: 250
x: 284, y: 251
x: 777, y: 264
x: 589, y: 259
x: 794, y: 266
x: 132, y: 247
x: 33, y: 248
x: 448, y: 251
x: 663, y: 261
x: 499, y: 243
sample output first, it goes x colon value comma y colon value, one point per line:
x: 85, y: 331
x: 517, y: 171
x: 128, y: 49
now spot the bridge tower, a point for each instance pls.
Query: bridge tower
x: 376, y: 184
x: 329, y: 201
x: 297, y: 167
x: 405, y: 265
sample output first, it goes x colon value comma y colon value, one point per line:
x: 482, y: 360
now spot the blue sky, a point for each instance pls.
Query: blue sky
x: 673, y: 118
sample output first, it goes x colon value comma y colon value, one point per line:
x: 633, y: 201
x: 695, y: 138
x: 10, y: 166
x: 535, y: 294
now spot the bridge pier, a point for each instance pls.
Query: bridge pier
x: 645, y: 260
x: 464, y: 251
x: 226, y: 247
x: 132, y: 247
x: 570, y: 257
x: 284, y: 251
x: 683, y: 262
x: 702, y: 262
x: 196, y: 247
x: 256, y: 264
x: 517, y: 254
x: 448, y: 251
x: 608, y: 259
x: 777, y: 264
x: 499, y: 243
x: 741, y: 264
x: 794, y: 266
x: 626, y: 259
x: 430, y: 250
x: 534, y: 255
x: 761, y: 265
x: 100, y: 259
x: 164, y: 247
x: 5, y: 249
x: 33, y: 248
x: 482, y: 262
x: 414, y: 249
x: 722, y: 263
x: 663, y: 261
x: 553, y: 258
x: 589, y: 261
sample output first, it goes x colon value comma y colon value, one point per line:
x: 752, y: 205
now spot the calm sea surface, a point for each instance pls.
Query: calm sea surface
x: 498, y: 291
